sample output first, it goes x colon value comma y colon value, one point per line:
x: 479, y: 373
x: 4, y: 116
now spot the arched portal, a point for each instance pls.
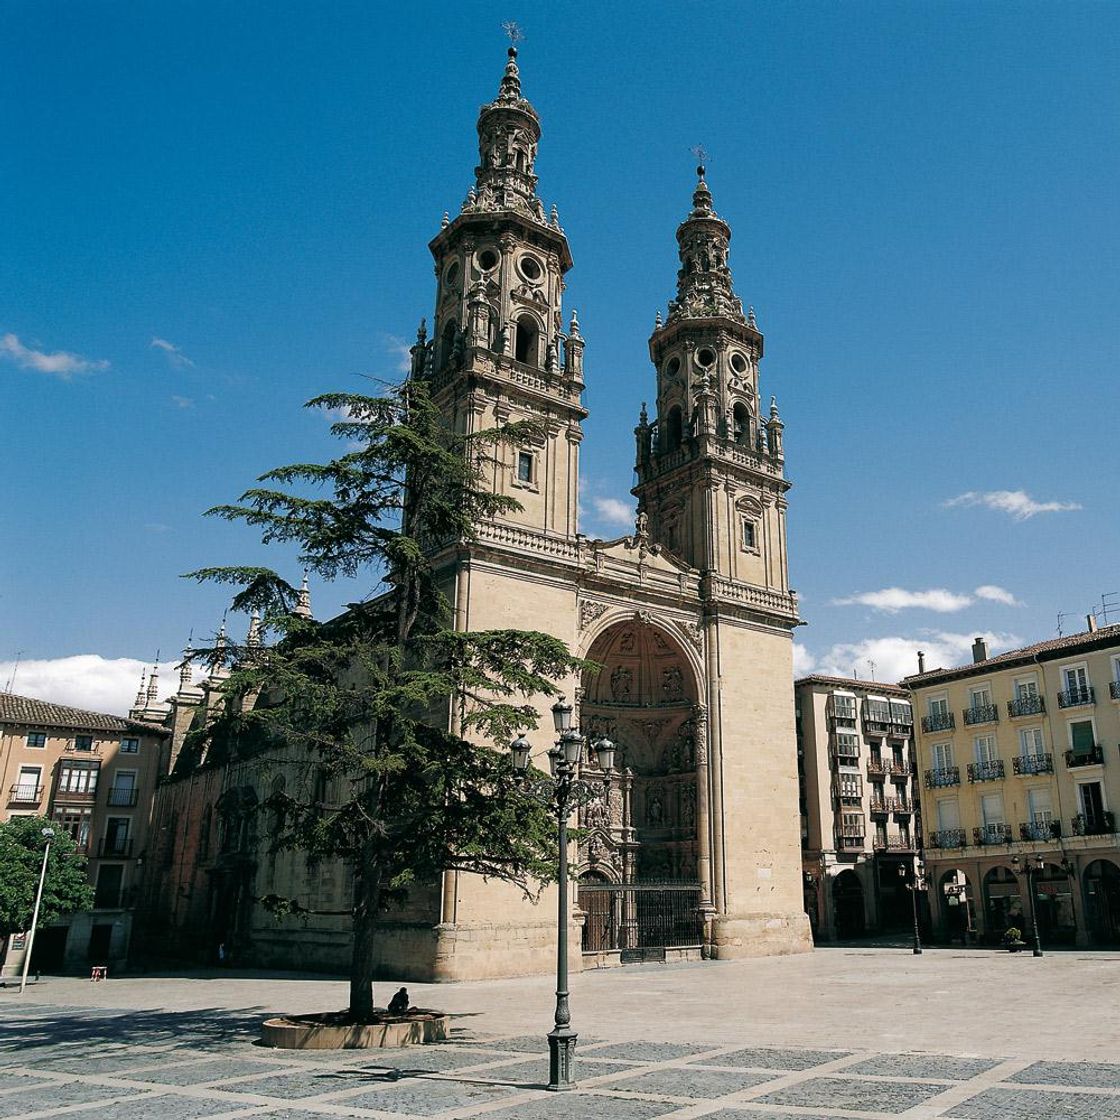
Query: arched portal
x: 1004, y: 904
x: 955, y: 898
x: 1053, y: 900
x: 847, y: 901
x: 1102, y: 901
x: 645, y: 842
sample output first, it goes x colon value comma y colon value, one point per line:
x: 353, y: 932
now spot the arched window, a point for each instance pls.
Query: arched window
x: 447, y: 342
x: 741, y: 424
x: 673, y: 428
x: 526, y: 341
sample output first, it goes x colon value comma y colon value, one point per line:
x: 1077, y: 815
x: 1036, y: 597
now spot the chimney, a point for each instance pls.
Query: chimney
x: 1091, y: 622
x: 921, y: 662
x: 979, y: 651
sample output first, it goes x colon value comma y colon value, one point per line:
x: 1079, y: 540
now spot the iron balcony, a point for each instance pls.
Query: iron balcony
x: 1096, y: 824
x: 987, y: 834
x: 113, y: 847
x: 943, y: 721
x: 1040, y: 830
x: 1076, y: 697
x: 122, y: 797
x: 949, y: 776
x: 947, y: 838
x: 879, y: 806
x: 893, y: 844
x: 981, y: 713
x: 989, y: 771
x: 21, y: 794
x: 1094, y: 756
x: 1026, y: 706
x: 1033, y: 764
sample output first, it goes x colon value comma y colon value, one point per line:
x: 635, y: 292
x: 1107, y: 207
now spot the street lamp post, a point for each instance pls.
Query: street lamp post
x: 913, y: 883
x: 563, y: 792
x: 1031, y: 867
x: 48, y: 835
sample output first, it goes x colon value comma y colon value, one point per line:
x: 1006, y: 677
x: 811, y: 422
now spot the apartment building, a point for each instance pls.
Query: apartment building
x: 1020, y: 786
x: 94, y: 776
x: 860, y: 827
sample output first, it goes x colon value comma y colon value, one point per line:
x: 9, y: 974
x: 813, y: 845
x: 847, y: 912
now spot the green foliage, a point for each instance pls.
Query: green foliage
x: 365, y: 721
x: 65, y: 889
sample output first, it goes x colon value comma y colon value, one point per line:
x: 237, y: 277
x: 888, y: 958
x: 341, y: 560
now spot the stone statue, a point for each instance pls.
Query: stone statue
x: 622, y: 682
x: 672, y: 683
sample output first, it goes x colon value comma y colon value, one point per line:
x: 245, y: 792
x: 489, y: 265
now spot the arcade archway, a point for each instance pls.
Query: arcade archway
x: 641, y: 882
x: 1102, y: 901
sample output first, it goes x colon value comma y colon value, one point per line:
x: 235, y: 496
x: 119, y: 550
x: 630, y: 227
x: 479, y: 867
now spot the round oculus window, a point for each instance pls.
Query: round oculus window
x: 452, y: 273
x: 487, y: 259
x: 672, y: 367
x: 530, y: 268
x: 738, y: 363
x: 705, y: 357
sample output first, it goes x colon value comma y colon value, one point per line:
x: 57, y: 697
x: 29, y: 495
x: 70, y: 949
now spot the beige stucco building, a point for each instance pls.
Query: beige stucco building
x: 860, y: 825
x: 1018, y: 763
x: 690, y: 615
x: 94, y: 776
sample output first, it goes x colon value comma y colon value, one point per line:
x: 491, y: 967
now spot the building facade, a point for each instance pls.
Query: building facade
x: 95, y: 777
x: 1019, y: 765
x: 860, y: 824
x: 690, y: 616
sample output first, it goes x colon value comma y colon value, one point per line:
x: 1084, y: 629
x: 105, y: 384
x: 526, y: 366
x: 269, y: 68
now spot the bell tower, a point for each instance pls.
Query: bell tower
x: 710, y: 467
x: 499, y: 351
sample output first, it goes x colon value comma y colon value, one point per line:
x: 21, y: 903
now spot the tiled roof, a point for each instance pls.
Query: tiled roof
x: 26, y: 711
x: 1044, y: 651
x: 853, y: 682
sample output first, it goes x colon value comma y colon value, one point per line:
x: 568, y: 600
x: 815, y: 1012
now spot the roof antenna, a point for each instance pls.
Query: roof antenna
x: 871, y: 664
x: 15, y: 669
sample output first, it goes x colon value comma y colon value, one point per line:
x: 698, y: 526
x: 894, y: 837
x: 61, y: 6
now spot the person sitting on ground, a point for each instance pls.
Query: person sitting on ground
x: 398, y: 1005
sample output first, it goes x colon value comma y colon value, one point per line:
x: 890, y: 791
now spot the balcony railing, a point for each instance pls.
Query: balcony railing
x: 1095, y: 824
x: 947, y: 838
x: 25, y: 794
x: 990, y: 771
x: 1076, y: 697
x: 877, y: 765
x: 122, y: 797
x: 1092, y: 756
x: 112, y: 846
x: 1040, y: 830
x: 902, y: 730
x: 947, y: 776
x: 986, y: 834
x: 1114, y: 689
x: 893, y: 844
x: 876, y: 726
x: 981, y: 713
x: 900, y: 805
x: 1026, y: 706
x: 879, y: 806
x: 73, y: 748
x: 942, y: 721
x: 1033, y: 764
x: 899, y: 766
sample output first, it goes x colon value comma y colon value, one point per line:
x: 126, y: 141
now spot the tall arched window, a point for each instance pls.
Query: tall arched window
x: 447, y: 342
x: 741, y: 424
x: 526, y: 341
x: 674, y: 428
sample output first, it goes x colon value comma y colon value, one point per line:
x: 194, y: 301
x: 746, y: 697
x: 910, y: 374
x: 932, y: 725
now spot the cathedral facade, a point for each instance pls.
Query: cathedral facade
x: 689, y: 619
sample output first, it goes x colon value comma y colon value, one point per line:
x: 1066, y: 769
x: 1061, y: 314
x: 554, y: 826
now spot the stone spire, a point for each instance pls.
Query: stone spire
x: 303, y: 603
x: 141, y: 694
x: 253, y: 638
x: 508, y: 133
x: 704, y: 286
x: 186, y: 671
x: 153, y: 684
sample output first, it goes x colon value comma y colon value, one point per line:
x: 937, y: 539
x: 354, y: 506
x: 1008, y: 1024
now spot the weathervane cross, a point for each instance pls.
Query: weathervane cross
x: 700, y: 152
x: 513, y: 31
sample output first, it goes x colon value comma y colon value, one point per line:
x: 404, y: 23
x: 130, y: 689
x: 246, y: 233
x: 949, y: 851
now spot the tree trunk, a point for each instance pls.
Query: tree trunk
x: 367, y: 891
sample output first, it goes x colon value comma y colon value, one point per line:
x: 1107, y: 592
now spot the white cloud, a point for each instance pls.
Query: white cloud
x: 803, y: 660
x: 182, y: 402
x: 613, y: 511
x: 896, y: 657
x: 401, y: 349
x: 894, y: 599
x: 88, y: 680
x: 1018, y: 503
x: 60, y: 363
x: 174, y: 355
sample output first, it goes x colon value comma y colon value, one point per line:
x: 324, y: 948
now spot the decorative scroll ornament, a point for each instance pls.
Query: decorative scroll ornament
x: 589, y: 612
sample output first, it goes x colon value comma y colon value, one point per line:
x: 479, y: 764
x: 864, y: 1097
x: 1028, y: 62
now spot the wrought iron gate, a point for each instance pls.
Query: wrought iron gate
x: 638, y: 916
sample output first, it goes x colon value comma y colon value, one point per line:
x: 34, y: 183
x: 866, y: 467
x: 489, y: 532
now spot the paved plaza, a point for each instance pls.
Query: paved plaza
x: 840, y: 1033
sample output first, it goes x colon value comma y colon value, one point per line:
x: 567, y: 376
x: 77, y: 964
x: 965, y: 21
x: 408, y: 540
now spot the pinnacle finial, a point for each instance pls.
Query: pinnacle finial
x: 153, y: 683
x: 303, y: 604
x: 445, y: 221
x: 643, y: 416
x: 750, y: 317
x: 510, y: 88
x: 658, y: 323
x: 253, y: 638
x: 774, y: 408
x: 573, y: 326
x: 141, y: 693
x: 186, y: 671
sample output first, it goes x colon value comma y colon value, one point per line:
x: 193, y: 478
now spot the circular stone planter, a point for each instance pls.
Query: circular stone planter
x: 331, y: 1032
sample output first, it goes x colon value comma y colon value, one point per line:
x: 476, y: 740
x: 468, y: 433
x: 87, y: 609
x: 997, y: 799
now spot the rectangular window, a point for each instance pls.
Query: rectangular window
x: 749, y: 534
x: 1030, y: 742
x: 1040, y: 806
x: 130, y: 746
x: 83, y: 742
x: 116, y: 836
x: 75, y: 823
x: 852, y: 824
x: 1091, y: 800
x: 1081, y: 736
x: 27, y: 787
x: 939, y: 706
x: 78, y: 778
x: 876, y: 710
x: 844, y: 706
x: 36, y: 739
x: 985, y: 746
x: 942, y: 755
x: 850, y: 786
x: 1076, y: 679
x: 525, y: 466
x: 847, y: 745
x: 980, y: 697
x: 1026, y: 688
x: 948, y: 814
x: 991, y: 808
x: 123, y: 790
x: 901, y: 713
x: 108, y: 893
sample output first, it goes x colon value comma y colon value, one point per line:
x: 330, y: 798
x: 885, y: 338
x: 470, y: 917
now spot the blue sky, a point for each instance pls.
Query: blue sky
x: 923, y: 200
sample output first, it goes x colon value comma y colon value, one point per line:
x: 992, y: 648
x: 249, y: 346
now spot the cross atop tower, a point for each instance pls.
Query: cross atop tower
x: 513, y: 33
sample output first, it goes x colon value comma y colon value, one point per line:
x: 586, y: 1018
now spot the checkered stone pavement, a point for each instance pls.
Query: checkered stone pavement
x: 135, y: 1065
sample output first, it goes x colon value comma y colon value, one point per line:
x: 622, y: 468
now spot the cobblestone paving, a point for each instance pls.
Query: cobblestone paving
x: 85, y: 1062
